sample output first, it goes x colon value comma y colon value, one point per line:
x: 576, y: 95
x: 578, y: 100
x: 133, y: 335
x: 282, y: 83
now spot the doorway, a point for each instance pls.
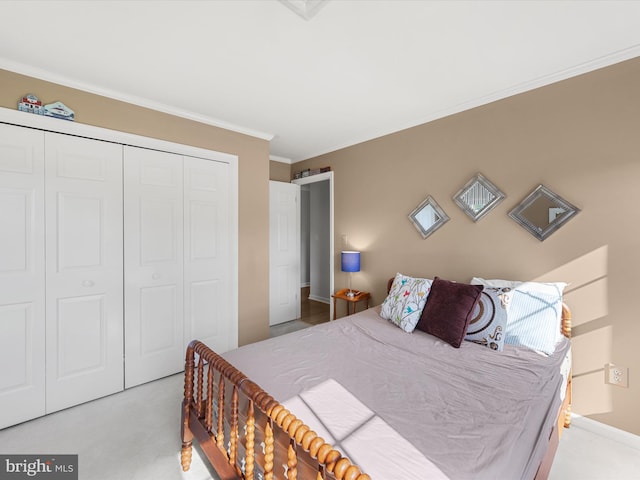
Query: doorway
x: 316, y: 236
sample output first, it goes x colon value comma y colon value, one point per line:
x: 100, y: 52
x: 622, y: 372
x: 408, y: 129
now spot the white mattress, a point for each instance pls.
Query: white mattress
x: 393, y: 400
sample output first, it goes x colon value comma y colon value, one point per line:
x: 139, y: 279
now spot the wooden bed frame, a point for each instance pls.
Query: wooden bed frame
x: 239, y: 426
x: 247, y: 416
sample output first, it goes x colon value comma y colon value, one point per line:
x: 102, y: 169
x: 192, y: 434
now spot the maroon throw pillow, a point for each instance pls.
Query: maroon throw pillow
x: 449, y: 310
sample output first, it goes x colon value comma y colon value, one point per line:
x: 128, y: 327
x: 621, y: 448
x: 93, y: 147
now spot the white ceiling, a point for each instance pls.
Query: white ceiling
x: 356, y: 70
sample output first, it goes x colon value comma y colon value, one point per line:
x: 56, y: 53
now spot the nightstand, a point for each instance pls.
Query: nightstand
x: 351, y: 301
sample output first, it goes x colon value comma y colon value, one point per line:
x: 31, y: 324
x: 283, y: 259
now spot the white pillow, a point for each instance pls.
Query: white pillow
x: 550, y: 288
x: 407, y: 296
x: 535, y: 312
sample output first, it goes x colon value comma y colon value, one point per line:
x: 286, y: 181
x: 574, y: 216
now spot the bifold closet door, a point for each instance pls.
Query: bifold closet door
x: 22, y: 288
x: 207, y: 254
x: 84, y: 304
x: 153, y: 220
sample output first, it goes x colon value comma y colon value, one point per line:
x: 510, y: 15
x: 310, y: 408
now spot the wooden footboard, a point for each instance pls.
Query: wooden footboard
x: 244, y: 432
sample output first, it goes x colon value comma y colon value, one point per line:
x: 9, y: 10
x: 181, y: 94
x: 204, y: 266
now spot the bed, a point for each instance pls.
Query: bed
x: 368, y: 397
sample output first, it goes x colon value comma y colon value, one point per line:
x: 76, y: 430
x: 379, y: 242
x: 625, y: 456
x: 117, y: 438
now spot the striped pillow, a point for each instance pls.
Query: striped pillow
x: 534, y: 320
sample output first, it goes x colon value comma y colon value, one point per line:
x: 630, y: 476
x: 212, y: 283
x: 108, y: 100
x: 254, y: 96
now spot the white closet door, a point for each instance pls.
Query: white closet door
x: 207, y: 254
x: 22, y: 302
x: 153, y: 221
x: 83, y: 269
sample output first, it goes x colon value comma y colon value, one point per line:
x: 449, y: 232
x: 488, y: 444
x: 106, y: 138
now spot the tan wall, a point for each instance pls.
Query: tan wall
x: 253, y: 174
x: 279, y: 171
x: 578, y: 137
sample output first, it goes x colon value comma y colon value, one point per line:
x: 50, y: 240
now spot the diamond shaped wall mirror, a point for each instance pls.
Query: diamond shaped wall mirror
x: 543, y: 212
x: 428, y: 217
x: 478, y: 197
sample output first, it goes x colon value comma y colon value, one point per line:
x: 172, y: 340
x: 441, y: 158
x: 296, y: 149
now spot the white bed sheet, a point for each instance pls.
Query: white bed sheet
x: 471, y: 413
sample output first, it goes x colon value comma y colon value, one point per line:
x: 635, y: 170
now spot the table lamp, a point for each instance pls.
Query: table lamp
x: 350, y: 262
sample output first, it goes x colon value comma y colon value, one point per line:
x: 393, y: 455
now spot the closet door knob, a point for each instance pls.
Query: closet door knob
x: 88, y: 283
x: 156, y: 276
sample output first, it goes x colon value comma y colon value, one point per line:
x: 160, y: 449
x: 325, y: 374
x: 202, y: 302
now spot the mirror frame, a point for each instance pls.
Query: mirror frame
x: 478, y: 179
x: 425, y: 232
x: 541, y: 191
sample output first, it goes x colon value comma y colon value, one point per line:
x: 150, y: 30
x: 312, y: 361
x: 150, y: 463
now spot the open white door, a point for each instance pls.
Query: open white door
x: 284, y: 247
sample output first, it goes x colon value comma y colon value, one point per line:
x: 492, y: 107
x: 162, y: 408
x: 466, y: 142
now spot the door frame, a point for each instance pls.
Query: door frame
x: 321, y: 177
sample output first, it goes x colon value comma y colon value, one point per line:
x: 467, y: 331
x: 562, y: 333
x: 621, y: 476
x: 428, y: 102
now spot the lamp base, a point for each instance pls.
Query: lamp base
x: 350, y: 293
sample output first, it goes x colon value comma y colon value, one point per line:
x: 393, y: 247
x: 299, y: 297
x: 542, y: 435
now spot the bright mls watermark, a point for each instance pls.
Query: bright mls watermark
x: 49, y: 467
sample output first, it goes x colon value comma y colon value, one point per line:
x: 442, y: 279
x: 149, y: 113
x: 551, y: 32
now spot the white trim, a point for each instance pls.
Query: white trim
x: 316, y: 178
x: 132, y: 99
x: 276, y: 158
x: 319, y: 178
x: 16, y: 117
x: 315, y: 298
x: 233, y: 225
x: 606, y: 431
x: 602, y: 62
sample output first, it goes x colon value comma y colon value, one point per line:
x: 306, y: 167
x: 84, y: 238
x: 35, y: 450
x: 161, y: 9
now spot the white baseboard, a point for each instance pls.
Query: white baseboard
x: 606, y: 431
x: 319, y: 299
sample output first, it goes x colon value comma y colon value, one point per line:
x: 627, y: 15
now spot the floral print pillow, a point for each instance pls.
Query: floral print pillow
x: 405, y: 301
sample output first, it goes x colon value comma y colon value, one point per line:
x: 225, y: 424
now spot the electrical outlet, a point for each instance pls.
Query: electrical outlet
x: 616, y: 375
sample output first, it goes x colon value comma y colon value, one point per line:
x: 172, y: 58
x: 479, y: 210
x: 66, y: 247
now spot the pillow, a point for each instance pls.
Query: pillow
x: 489, y: 318
x: 535, y: 313
x: 405, y: 301
x: 550, y: 288
x: 449, y: 310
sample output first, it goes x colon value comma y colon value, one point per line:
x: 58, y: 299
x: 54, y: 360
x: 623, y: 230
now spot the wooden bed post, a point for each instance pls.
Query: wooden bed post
x: 566, y: 331
x: 220, y: 432
x: 187, y: 435
x: 292, y: 462
x: 249, y: 443
x: 199, y: 393
x: 233, y: 431
x: 208, y: 419
x: 268, y: 450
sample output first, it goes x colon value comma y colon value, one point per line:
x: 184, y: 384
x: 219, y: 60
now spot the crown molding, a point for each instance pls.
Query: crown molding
x: 276, y: 158
x: 50, y: 124
x: 132, y: 99
x: 586, y: 67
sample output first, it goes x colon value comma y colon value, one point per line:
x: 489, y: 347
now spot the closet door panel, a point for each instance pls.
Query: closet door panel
x: 22, y: 286
x: 207, y: 254
x: 84, y: 269
x: 153, y: 265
